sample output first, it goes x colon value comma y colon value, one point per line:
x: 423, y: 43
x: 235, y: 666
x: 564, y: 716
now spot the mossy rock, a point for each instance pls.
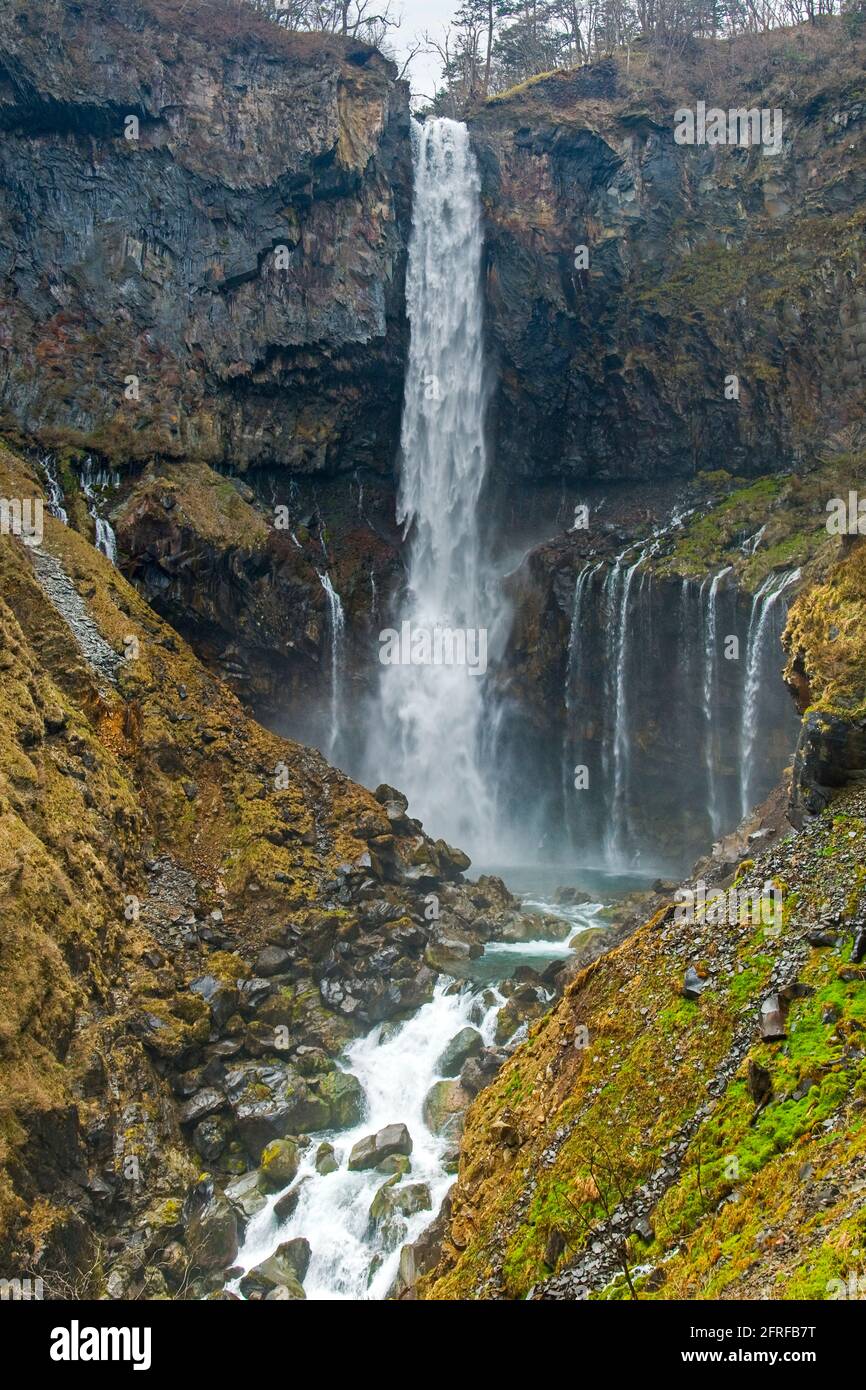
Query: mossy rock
x: 344, y: 1096
x: 279, y: 1164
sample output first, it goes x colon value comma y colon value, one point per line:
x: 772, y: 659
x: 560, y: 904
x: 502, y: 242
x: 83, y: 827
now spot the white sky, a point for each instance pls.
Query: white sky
x: 418, y: 16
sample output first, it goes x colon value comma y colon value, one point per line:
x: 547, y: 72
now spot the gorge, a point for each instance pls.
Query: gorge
x: 327, y: 977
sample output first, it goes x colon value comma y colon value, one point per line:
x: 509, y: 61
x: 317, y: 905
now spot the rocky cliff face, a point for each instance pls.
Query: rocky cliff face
x: 703, y: 263
x: 202, y: 236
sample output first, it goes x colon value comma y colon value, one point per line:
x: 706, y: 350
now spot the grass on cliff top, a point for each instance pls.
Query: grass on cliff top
x: 791, y: 509
x: 793, y: 67
x: 208, y: 504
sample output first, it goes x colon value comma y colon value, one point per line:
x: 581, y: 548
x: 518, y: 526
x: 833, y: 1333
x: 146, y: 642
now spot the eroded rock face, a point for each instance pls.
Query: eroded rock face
x: 217, y: 209
x: 617, y: 370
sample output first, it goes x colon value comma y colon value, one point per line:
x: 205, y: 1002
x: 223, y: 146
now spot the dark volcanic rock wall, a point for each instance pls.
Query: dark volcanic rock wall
x: 703, y: 262
x: 156, y: 257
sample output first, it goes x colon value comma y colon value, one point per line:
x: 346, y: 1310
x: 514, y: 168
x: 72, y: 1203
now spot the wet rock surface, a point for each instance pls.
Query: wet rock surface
x: 240, y: 322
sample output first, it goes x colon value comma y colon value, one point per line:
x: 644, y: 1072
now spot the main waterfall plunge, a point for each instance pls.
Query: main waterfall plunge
x: 428, y: 726
x: 677, y: 740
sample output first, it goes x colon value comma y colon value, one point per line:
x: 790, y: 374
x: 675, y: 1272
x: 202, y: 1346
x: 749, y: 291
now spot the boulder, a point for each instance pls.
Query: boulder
x: 693, y: 984
x: 270, y: 1101
x: 772, y: 1019
x: 444, y: 1107
x: 326, y: 1161
x: 452, y: 952
x: 533, y: 926
x: 465, y: 1044
x: 210, y: 1137
x: 278, y: 1165
x: 287, y: 1205
x: 422, y: 1256
x: 205, y: 1102
x: 285, y: 1269
x: 479, y: 1071
x: 393, y: 1203
x: 344, y: 1096
x: 371, y: 1150
x: 395, y: 1163
x: 273, y: 960
x: 246, y: 1194
x: 220, y: 997
x: 211, y: 1227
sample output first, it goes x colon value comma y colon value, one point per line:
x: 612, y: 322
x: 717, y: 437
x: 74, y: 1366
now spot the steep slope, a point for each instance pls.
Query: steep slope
x: 196, y: 916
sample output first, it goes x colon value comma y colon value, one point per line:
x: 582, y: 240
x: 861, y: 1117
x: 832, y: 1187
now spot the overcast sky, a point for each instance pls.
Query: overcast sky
x: 418, y: 16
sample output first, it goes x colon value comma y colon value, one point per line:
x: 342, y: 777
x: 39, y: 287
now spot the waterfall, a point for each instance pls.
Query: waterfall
x: 572, y: 743
x: 91, y: 480
x: 428, y: 724
x: 757, y: 648
x: 54, y: 490
x: 615, y: 840
x: 711, y: 742
x: 336, y: 637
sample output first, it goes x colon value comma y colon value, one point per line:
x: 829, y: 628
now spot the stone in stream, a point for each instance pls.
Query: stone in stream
x: 370, y: 1151
x: 393, y: 1203
x: 325, y: 1160
x: 422, y: 1255
x: 345, y: 1096
x: 285, y: 1269
x: 278, y: 1165
x: 394, y: 1163
x: 465, y: 1044
x: 533, y: 926
x: 444, y: 1107
x: 287, y: 1205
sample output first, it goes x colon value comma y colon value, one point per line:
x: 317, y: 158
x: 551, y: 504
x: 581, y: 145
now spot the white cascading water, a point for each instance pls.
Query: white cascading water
x: 336, y: 637
x: 333, y: 1211
x: 572, y: 752
x: 348, y: 1259
x: 427, y: 726
x: 710, y: 711
x: 91, y: 479
x: 54, y: 490
x: 616, y: 850
x: 757, y: 647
